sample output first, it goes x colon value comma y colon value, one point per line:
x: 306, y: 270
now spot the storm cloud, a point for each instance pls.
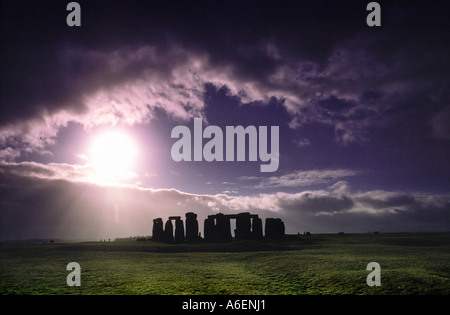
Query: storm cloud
x: 327, y: 69
x: 36, y: 203
x: 363, y: 112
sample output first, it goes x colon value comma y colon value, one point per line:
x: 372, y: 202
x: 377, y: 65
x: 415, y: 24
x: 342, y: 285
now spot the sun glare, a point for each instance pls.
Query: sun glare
x: 112, y: 156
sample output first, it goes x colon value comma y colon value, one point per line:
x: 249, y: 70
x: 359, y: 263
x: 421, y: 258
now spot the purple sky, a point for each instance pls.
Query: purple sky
x: 363, y: 114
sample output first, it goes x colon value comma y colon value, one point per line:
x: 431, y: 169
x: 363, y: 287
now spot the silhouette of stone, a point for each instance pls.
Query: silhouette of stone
x: 222, y: 228
x: 217, y: 228
x: 168, y: 231
x: 158, y: 231
x: 270, y: 228
x: 243, y: 226
x: 191, y: 227
x: 257, y: 230
x: 179, y: 230
x: 274, y: 228
x: 209, y: 229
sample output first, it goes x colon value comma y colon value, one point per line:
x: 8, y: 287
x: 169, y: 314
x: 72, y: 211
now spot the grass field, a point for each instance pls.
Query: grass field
x: 317, y: 264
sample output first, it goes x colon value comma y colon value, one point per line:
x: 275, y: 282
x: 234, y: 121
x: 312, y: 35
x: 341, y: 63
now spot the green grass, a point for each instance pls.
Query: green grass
x: 317, y: 264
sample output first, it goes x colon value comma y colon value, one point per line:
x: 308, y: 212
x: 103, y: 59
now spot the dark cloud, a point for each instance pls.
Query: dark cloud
x: 384, y: 200
x: 328, y: 211
x: 311, y: 55
x: 440, y: 123
x: 317, y: 203
x: 33, y: 206
x: 38, y: 204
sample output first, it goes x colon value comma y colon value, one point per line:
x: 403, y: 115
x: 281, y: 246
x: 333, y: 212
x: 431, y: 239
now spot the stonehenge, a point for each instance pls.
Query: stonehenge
x: 217, y: 228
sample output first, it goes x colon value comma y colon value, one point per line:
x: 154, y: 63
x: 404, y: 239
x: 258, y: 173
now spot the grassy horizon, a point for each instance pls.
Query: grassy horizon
x: 411, y: 263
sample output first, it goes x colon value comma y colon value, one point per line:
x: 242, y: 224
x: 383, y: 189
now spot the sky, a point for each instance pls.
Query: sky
x: 87, y: 114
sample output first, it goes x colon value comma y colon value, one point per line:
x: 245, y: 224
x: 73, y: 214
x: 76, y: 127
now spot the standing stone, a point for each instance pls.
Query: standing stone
x: 168, y: 231
x: 243, y: 226
x: 281, y: 228
x: 257, y: 230
x: 209, y: 229
x: 158, y: 231
x: 191, y: 227
x: 179, y: 231
x: 223, y: 230
x: 274, y: 228
x: 269, y: 230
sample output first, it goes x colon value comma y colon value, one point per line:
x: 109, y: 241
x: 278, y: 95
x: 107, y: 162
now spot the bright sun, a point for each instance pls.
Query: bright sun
x: 112, y: 156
